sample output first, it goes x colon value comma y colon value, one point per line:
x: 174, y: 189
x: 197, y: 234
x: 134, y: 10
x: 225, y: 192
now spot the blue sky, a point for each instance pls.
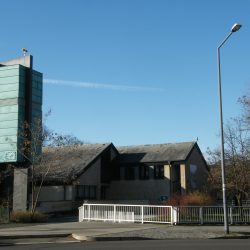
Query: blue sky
x: 133, y: 71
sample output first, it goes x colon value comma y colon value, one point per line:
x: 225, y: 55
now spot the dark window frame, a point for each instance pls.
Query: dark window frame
x: 144, y: 172
x: 159, y: 172
x: 86, y: 192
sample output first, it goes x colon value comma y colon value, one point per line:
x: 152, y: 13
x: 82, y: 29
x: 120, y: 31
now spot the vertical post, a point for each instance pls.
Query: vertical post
x: 114, y: 212
x: 83, y: 211
x: 222, y: 141
x: 231, y: 215
x: 174, y: 215
x: 142, y: 217
x: 235, y: 28
x: 88, y: 212
x: 201, y: 215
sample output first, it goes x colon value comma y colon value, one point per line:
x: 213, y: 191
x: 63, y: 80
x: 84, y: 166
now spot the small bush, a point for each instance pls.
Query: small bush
x: 193, y: 199
x: 197, y: 199
x: 28, y: 217
x: 175, y: 200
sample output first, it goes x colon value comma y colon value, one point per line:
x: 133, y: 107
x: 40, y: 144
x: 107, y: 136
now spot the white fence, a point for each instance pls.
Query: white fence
x: 125, y: 213
x: 210, y: 214
x: 163, y: 214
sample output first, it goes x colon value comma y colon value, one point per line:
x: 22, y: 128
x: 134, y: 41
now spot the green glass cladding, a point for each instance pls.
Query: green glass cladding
x: 37, y: 95
x: 12, y: 108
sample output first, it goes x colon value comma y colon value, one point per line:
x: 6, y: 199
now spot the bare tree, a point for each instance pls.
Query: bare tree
x: 238, y: 157
x: 237, y: 162
x: 37, y: 140
x: 245, y: 102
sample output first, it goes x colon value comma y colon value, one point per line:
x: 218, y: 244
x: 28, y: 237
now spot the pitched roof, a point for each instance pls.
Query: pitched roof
x: 68, y: 162
x: 156, y: 152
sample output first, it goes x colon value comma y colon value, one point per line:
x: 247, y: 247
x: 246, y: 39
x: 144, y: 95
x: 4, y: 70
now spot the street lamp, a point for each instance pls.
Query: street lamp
x: 235, y: 28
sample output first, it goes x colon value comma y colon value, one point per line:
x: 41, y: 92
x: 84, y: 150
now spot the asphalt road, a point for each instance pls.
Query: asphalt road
x: 221, y: 244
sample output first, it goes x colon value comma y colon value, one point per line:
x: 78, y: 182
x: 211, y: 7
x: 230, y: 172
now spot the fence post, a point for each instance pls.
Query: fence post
x: 142, y: 219
x: 83, y: 211
x: 201, y: 215
x: 174, y: 215
x: 171, y: 214
x: 80, y: 219
x: 88, y: 212
x: 114, y: 212
x: 231, y: 215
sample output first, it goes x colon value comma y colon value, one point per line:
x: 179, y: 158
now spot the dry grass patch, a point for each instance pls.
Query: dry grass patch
x: 28, y: 217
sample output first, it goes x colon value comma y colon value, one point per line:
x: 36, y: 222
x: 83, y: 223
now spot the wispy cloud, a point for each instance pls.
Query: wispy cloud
x: 100, y: 85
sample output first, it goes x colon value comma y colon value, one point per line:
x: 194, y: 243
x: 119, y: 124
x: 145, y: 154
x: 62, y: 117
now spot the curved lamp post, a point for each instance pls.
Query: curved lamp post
x: 235, y: 28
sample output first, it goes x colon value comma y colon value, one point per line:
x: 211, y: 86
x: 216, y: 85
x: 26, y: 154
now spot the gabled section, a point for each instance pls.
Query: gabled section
x: 66, y: 164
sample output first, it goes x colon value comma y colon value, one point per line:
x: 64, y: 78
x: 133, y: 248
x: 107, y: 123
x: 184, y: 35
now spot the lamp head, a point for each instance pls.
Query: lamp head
x: 236, y: 27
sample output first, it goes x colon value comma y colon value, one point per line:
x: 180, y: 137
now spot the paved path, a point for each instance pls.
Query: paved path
x: 183, y: 232
x: 204, y: 244
x: 63, y: 229
x: 106, y: 231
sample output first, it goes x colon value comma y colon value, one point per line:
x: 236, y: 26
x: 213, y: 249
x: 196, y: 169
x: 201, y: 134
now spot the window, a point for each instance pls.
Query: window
x: 129, y: 173
x: 68, y: 193
x: 159, y: 171
x: 103, y: 192
x: 86, y: 192
x: 80, y: 191
x: 144, y: 172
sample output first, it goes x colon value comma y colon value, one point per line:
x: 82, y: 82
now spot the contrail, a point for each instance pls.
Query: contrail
x: 100, y: 85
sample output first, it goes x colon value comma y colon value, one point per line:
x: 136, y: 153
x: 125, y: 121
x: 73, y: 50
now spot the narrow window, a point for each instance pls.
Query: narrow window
x: 159, y: 171
x: 144, y: 172
x: 86, y: 192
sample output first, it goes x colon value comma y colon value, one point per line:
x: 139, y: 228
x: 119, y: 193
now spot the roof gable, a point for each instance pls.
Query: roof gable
x: 68, y: 162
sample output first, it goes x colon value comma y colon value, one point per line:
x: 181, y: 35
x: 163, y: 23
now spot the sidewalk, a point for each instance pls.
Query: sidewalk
x: 120, y: 231
x: 69, y: 228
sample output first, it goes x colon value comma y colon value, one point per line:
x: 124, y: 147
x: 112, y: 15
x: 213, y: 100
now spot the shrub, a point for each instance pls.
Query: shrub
x: 28, y: 217
x: 197, y: 199
x: 193, y: 199
x: 175, y: 200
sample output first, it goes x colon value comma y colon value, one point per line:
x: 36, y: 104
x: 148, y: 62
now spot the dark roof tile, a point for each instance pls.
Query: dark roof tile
x: 66, y: 163
x: 156, y: 152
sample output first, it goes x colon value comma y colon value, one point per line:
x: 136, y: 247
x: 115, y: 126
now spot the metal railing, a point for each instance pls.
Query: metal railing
x: 210, y: 214
x: 125, y: 213
x: 163, y: 214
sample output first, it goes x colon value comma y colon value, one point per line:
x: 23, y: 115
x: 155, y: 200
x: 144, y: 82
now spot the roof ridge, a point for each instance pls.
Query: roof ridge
x: 156, y: 144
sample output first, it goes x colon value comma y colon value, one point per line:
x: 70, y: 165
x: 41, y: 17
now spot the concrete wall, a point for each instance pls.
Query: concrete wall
x: 150, y: 189
x: 20, y: 187
x: 24, y: 60
x: 92, y: 177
